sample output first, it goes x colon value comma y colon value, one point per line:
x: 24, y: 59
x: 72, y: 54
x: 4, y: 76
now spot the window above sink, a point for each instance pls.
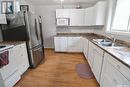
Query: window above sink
x: 119, y: 18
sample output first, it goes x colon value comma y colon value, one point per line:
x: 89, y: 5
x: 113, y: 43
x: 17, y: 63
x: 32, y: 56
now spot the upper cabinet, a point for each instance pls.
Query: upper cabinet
x: 91, y: 16
x: 62, y: 13
x: 100, y: 13
x: 77, y: 17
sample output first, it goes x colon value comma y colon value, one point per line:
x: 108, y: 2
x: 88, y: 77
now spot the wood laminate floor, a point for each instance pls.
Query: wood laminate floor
x: 59, y: 70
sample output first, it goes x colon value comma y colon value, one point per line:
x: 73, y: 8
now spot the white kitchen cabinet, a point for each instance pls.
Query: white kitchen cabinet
x: 57, y: 43
x: 91, y: 54
x: 95, y: 59
x: 74, y: 44
x: 85, y: 47
x: 89, y: 16
x: 100, y: 13
x: 60, y: 44
x: 68, y: 44
x: 62, y: 13
x: 111, y: 76
x: 23, y: 58
x: 77, y: 17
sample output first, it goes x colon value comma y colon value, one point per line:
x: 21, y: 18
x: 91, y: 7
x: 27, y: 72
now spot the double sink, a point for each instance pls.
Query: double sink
x: 108, y: 43
x: 119, y: 48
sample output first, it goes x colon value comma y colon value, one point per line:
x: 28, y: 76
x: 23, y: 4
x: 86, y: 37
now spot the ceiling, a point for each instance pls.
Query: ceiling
x: 55, y: 2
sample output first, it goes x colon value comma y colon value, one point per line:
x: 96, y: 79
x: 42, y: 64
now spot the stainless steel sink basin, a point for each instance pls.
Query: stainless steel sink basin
x: 103, y: 42
x: 108, y: 43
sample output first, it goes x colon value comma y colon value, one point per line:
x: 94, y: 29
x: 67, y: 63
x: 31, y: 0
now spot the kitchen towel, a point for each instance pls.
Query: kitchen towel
x: 4, y: 58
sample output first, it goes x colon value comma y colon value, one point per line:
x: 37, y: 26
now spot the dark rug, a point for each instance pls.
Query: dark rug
x: 84, y: 71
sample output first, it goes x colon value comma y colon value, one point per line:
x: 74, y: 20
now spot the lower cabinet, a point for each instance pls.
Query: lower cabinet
x: 95, y: 59
x: 85, y: 47
x: 68, y: 44
x: 74, y: 44
x: 97, y: 64
x: 23, y: 58
x: 60, y: 44
x: 111, y: 76
x: 108, y: 71
x: 90, y: 54
x: 18, y: 64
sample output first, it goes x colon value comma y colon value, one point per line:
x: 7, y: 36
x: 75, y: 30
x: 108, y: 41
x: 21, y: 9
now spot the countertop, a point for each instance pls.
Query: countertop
x: 122, y: 54
x: 9, y: 44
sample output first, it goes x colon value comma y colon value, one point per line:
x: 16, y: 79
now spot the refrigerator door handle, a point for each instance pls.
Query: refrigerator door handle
x: 36, y: 29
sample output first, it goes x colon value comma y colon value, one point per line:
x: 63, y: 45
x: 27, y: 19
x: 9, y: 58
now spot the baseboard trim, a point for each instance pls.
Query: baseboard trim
x: 49, y: 48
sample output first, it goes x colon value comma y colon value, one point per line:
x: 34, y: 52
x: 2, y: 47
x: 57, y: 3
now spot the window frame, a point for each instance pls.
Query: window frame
x: 120, y: 32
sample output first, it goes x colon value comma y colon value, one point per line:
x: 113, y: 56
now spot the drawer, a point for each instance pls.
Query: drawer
x: 12, y: 80
x: 119, y: 66
x: 99, y: 50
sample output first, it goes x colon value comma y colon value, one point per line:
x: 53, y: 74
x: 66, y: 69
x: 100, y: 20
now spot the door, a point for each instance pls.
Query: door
x: 77, y: 17
x: 90, y: 54
x: 74, y: 44
x: 89, y: 16
x: 57, y: 44
x: 41, y: 31
x: 32, y: 28
x: 63, y: 44
x: 97, y: 61
x: 37, y: 56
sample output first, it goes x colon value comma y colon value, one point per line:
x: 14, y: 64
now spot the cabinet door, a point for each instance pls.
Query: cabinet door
x: 60, y: 44
x: 89, y: 16
x: 77, y: 17
x: 100, y: 13
x: 23, y: 58
x: 74, y: 44
x: 90, y: 54
x: 62, y: 13
x: 63, y: 44
x: 85, y: 47
x: 98, y: 59
x: 57, y: 44
x: 111, y: 76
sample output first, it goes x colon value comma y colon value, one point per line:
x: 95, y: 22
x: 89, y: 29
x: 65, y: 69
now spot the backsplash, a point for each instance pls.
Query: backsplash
x: 83, y: 29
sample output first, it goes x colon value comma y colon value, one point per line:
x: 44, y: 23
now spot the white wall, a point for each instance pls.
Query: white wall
x: 49, y: 28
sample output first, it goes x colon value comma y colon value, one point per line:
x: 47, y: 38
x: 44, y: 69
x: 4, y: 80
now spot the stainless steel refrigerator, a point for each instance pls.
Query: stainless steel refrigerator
x: 26, y: 26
